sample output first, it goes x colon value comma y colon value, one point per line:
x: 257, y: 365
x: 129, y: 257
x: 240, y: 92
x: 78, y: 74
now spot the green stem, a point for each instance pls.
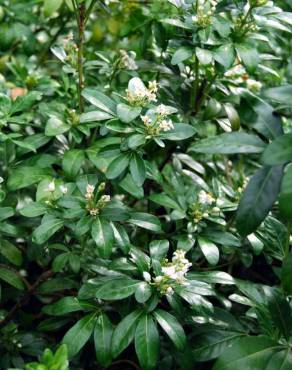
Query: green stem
x: 81, y: 13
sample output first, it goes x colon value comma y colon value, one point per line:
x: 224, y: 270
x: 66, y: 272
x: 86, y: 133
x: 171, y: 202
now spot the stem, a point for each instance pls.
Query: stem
x: 44, y: 276
x: 195, y: 86
x: 80, y: 13
x: 287, y: 245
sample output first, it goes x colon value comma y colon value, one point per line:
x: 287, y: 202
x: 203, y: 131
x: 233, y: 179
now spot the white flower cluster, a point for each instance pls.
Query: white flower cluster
x: 239, y: 75
x: 155, y: 119
x: 138, y: 94
x: 128, y: 60
x: 204, y: 207
x: 94, y: 207
x: 173, y: 273
x: 205, y: 198
x: 205, y: 10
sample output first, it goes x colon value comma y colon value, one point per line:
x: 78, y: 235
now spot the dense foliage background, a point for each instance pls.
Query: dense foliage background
x: 146, y: 191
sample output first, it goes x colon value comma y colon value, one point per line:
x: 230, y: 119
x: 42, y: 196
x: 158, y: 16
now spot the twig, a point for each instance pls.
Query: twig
x: 44, y: 276
x: 131, y: 363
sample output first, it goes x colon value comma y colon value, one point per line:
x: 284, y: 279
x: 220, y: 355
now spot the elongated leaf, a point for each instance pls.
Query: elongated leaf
x: 124, y: 333
x: 181, y: 54
x: 24, y: 176
x: 247, y: 353
x: 285, y: 197
x: 50, y: 225
x: 103, y: 332
x: 103, y: 236
x: 147, y: 343
x: 137, y: 168
x: 79, y: 334
x: 72, y: 161
x: 258, y: 198
x: 117, y: 166
x: 229, y: 143
x: 210, y: 250
x: 99, y: 100
x: 146, y: 221
x: 286, y: 274
x: 117, y: 289
x: 11, y: 278
x: 171, y: 327
x: 279, y: 151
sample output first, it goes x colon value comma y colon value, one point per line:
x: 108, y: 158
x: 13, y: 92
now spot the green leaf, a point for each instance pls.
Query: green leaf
x: 117, y: 289
x: 279, y: 151
x: 281, y: 94
x: 232, y: 116
x: 137, y: 169
x: 211, y: 345
x: 258, y: 199
x: 285, y: 197
x: 51, y: 6
x: 103, y: 332
x: 55, y: 126
x: 229, y: 143
x: 210, y: 250
x: 72, y: 162
x: 127, y: 113
x: 171, y: 327
x: 136, y: 140
x: 117, y: 166
x: 146, y: 221
x: 204, y: 56
x: 103, y: 236
x: 24, y: 176
x: 94, y: 116
x: 159, y: 249
x: 49, y: 226
x: 63, y: 306
x: 128, y: 185
x: 147, y: 343
x: 33, y: 209
x: 249, y: 56
x: 280, y: 311
x: 247, y: 353
x: 286, y: 274
x: 225, y: 55
x: 100, y: 100
x: 181, y: 54
x: 79, y: 334
x: 11, y: 278
x: 124, y: 332
x: 281, y: 360
x: 181, y: 131
x: 10, y: 252
x: 143, y: 292
x: 165, y: 201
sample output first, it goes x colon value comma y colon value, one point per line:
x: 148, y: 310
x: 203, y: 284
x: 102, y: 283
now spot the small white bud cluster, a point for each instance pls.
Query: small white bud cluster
x: 128, y: 60
x: 155, y: 119
x: 138, y: 94
x: 52, y: 186
x: 94, y: 207
x: 253, y: 85
x: 205, y: 10
x: 89, y: 191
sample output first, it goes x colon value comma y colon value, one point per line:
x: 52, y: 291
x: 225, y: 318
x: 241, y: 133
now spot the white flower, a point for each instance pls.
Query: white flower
x: 166, y: 125
x: 169, y: 290
x: 146, y: 276
x: 158, y: 279
x: 90, y: 189
x: 128, y: 60
x: 146, y: 120
x: 205, y: 198
x: 169, y: 271
x: 153, y: 86
x: 93, y: 211
x: 1, y: 180
x: 63, y: 189
x: 105, y: 198
x: 51, y: 186
x: 253, y: 84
